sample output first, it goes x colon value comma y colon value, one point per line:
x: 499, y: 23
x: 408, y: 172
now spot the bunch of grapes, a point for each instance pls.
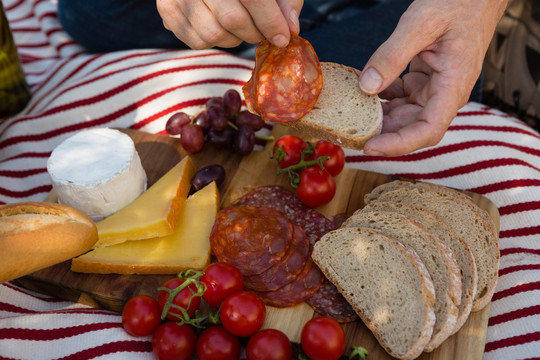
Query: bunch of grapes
x: 222, y: 123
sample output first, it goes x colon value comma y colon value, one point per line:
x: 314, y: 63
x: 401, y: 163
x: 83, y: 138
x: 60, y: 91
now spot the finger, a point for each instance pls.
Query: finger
x: 208, y: 27
x: 395, y: 90
x: 291, y: 10
x: 393, y: 56
x: 269, y: 20
x: 421, y: 129
x: 235, y: 19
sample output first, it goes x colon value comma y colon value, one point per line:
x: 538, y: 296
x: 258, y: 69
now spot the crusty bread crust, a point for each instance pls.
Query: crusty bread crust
x: 464, y: 257
x: 481, y: 238
x: 467, y: 200
x: 344, y: 114
x: 332, y: 259
x: 36, y: 235
x: 435, y: 254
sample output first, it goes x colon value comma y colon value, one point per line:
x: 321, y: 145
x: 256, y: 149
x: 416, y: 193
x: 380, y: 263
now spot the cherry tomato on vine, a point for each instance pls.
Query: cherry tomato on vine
x: 173, y: 341
x: 216, y: 343
x: 317, y: 187
x: 269, y: 344
x: 141, y: 315
x: 221, y: 280
x: 337, y: 156
x: 323, y: 338
x: 182, y: 299
x: 242, y: 313
x: 292, y: 146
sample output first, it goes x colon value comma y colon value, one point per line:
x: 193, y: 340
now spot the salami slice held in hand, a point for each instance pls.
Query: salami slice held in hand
x: 285, y: 83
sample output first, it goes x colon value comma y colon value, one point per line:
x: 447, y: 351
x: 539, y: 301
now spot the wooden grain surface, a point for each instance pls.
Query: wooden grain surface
x: 158, y: 154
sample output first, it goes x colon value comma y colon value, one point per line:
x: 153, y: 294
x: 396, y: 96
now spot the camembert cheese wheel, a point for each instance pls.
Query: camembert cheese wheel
x: 97, y: 171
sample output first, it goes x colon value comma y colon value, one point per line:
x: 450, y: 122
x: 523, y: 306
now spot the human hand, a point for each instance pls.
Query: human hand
x: 445, y: 42
x: 202, y: 24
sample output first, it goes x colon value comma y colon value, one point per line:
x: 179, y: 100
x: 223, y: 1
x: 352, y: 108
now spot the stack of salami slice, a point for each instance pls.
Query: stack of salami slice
x: 268, y: 234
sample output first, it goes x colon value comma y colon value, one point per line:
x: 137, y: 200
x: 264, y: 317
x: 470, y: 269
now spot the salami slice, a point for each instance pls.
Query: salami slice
x: 286, y: 270
x: 304, y: 286
x: 251, y: 238
x: 278, y: 197
x: 327, y: 301
x: 285, y: 83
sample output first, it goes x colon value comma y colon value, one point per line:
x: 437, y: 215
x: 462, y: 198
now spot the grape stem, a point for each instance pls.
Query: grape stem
x: 265, y: 138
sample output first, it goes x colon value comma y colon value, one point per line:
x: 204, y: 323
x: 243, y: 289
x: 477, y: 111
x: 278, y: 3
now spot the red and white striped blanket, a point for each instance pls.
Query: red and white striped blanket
x: 484, y: 151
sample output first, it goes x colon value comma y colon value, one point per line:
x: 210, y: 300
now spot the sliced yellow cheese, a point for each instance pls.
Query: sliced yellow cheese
x: 187, y: 248
x: 154, y: 213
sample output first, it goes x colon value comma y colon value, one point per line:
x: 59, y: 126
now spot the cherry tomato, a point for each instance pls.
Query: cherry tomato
x: 182, y: 299
x: 269, y: 344
x: 141, y: 315
x: 173, y: 341
x: 317, y: 187
x: 221, y: 280
x: 337, y: 156
x: 323, y: 338
x: 216, y: 343
x: 292, y: 146
x: 242, y: 313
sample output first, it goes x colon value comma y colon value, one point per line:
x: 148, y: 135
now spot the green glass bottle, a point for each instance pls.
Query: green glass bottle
x: 14, y: 91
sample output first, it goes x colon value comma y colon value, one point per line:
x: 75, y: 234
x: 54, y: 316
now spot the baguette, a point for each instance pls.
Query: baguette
x: 385, y: 282
x: 344, y: 114
x: 36, y: 235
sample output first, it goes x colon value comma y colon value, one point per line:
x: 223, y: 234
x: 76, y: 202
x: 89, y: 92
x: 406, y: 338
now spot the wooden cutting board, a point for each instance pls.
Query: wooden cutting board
x: 158, y: 154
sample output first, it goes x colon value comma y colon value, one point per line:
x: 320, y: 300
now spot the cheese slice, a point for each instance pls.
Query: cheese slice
x: 153, y: 214
x: 97, y: 171
x: 187, y: 248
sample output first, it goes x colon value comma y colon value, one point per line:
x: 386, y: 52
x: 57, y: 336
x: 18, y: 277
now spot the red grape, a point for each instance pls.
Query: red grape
x: 214, y: 101
x: 217, y: 118
x: 232, y: 102
x: 244, y: 140
x: 176, y: 122
x: 252, y: 120
x: 221, y: 138
x: 201, y: 120
x: 192, y: 138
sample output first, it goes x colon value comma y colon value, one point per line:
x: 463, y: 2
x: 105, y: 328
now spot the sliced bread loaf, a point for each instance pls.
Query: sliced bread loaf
x: 464, y: 258
x: 436, y: 256
x: 467, y: 200
x: 385, y: 282
x: 479, y: 236
x: 343, y: 114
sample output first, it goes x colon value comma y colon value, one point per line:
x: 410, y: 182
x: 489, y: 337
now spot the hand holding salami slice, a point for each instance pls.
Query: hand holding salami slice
x: 285, y: 83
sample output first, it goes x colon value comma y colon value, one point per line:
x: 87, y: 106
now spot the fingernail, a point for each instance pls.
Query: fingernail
x: 370, y: 81
x: 279, y: 40
x: 293, y: 16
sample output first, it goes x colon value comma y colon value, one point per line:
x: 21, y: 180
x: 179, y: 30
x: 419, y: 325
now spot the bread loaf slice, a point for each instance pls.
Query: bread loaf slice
x: 467, y: 200
x: 385, y: 282
x: 343, y: 114
x: 479, y: 236
x: 436, y: 256
x: 463, y: 255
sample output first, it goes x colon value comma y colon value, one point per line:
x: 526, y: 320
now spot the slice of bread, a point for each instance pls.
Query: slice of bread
x: 344, y: 114
x: 464, y: 258
x: 479, y: 236
x: 436, y: 256
x: 385, y: 282
x: 423, y: 185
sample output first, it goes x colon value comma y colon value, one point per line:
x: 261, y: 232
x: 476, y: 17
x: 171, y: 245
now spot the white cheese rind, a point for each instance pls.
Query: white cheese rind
x: 97, y: 171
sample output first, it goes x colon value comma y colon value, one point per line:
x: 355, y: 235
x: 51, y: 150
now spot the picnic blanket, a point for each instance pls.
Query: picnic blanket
x: 484, y: 150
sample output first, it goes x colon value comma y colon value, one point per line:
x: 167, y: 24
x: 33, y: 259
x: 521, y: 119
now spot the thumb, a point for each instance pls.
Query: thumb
x: 410, y: 37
